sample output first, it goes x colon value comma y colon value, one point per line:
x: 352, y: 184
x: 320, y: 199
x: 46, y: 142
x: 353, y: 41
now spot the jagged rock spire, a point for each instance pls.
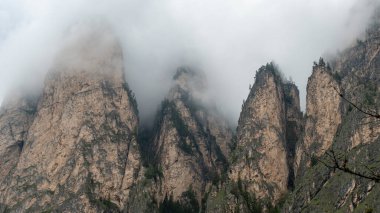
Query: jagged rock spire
x: 81, y: 147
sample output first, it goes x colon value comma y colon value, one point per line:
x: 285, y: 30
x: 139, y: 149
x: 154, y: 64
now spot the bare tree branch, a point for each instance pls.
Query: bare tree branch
x: 336, y: 164
x: 372, y: 114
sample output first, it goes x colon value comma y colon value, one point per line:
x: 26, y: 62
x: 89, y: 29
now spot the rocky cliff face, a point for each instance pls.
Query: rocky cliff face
x: 16, y: 116
x: 294, y: 127
x: 76, y: 147
x: 78, y: 152
x: 261, y: 138
x: 266, y: 135
x: 355, y: 141
x: 188, y: 141
x: 323, y: 116
x: 269, y: 125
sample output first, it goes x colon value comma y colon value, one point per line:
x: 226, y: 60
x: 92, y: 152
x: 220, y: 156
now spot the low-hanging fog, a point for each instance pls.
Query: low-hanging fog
x: 228, y: 40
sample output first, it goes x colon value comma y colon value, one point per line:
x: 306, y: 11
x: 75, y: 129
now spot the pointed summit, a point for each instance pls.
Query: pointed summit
x: 81, y: 147
x: 188, y: 140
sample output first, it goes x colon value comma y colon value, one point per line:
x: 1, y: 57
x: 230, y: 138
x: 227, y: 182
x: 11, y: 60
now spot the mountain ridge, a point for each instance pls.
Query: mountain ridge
x: 79, y: 146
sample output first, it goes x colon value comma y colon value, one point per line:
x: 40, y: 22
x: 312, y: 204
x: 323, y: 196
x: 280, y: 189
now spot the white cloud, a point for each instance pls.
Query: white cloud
x: 229, y: 40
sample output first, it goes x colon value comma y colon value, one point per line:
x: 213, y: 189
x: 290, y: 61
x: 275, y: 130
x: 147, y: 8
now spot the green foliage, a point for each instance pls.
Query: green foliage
x: 181, y: 128
x: 235, y: 153
x: 170, y: 206
x: 131, y: 98
x: 153, y: 172
x: 191, y: 200
x: 337, y: 76
x: 288, y: 99
x: 30, y: 111
x: 370, y: 95
x: 273, y: 68
x: 350, y: 108
x: 269, y: 67
x: 145, y: 141
x: 29, y: 187
x: 211, y: 144
x: 369, y: 99
x: 328, y: 67
x: 277, y: 208
x: 215, y: 178
x: 204, y: 202
x: 250, y: 202
x: 106, y: 205
x: 321, y: 62
x: 274, y: 209
x: 102, y: 203
x: 248, y: 199
x: 314, y: 160
x: 315, y: 146
x: 187, y: 204
x: 360, y: 42
x: 168, y: 108
x: 47, y: 211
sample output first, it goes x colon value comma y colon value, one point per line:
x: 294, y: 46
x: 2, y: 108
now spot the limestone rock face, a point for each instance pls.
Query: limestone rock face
x: 16, y: 116
x: 264, y: 148
x: 261, y: 155
x: 356, y: 139
x: 188, y: 139
x: 76, y: 146
x: 294, y: 126
x: 80, y: 152
x: 323, y: 116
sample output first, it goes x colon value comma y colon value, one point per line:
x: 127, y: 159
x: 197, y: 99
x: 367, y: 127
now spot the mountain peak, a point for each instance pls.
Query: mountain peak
x: 90, y: 50
x: 188, y: 82
x: 183, y: 72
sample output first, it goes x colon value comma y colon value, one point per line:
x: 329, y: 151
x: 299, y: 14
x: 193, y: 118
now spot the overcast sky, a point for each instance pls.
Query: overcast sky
x: 228, y: 40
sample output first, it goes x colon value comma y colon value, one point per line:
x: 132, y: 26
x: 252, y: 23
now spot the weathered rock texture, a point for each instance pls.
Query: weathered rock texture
x: 80, y: 152
x: 16, y: 116
x: 76, y: 147
x: 261, y: 138
x: 323, y: 116
x: 188, y: 140
x: 261, y: 164
x: 356, y: 141
x: 294, y: 126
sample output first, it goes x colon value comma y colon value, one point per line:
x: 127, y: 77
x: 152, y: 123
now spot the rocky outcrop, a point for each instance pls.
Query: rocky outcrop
x: 263, y: 146
x: 16, y: 116
x: 76, y: 147
x: 80, y: 152
x: 187, y: 140
x: 355, y: 142
x: 268, y: 129
x: 294, y: 126
x: 323, y: 116
x: 261, y: 138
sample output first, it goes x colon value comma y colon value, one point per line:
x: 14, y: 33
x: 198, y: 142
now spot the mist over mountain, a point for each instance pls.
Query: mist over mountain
x: 227, y: 40
x: 217, y: 107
